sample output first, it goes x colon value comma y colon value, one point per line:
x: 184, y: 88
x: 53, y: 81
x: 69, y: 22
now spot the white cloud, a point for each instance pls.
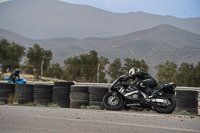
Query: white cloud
x: 4, y: 1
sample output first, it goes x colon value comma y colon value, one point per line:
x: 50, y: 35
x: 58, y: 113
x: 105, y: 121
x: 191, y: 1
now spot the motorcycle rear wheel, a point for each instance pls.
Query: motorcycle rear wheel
x: 111, y: 104
x: 169, y: 109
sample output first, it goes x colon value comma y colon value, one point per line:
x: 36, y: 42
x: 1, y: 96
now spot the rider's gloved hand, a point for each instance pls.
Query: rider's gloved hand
x: 126, y: 78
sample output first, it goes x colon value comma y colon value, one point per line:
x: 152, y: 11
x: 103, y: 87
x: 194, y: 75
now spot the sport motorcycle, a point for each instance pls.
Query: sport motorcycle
x: 17, y: 81
x: 123, y: 95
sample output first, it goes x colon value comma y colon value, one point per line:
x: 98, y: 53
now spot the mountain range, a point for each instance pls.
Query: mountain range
x: 47, y: 19
x: 155, y: 45
x: 70, y: 30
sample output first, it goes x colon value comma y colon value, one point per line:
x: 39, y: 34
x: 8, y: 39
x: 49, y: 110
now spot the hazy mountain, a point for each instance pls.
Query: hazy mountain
x: 51, y: 44
x: 155, y: 45
x: 44, y: 19
x: 140, y: 44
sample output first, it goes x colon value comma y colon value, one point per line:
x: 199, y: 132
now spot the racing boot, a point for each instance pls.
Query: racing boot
x: 150, y: 93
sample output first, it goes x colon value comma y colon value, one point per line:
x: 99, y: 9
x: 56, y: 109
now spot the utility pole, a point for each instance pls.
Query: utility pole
x: 42, y: 68
x: 98, y: 73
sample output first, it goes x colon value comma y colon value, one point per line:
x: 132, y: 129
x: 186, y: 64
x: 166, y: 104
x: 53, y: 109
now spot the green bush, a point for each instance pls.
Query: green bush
x: 53, y: 105
x: 90, y: 107
x: 2, y: 103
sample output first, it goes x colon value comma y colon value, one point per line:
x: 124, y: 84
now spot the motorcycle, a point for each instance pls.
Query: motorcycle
x: 17, y: 81
x: 123, y: 95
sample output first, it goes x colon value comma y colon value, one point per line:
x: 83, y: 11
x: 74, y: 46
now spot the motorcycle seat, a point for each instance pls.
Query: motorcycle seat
x: 161, y: 86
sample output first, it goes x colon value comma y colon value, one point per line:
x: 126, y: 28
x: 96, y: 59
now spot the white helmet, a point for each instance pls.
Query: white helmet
x: 133, y: 70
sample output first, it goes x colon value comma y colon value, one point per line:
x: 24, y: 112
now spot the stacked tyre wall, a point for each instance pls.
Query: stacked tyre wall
x: 64, y: 94
x: 5, y: 90
x: 79, y: 96
x: 42, y: 94
x: 24, y: 93
x: 61, y: 91
x: 187, y: 100
x: 96, y: 94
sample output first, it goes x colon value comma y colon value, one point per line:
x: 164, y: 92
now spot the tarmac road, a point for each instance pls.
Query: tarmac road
x: 23, y: 119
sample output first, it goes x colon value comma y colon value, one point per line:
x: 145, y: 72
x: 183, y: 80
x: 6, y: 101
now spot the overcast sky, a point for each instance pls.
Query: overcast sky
x: 176, y: 8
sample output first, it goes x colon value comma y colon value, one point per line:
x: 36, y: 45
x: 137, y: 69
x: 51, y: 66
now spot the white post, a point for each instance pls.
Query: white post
x: 42, y: 68
x: 98, y: 73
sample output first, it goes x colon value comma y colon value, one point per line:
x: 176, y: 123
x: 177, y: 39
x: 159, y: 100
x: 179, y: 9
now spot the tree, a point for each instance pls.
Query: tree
x: 166, y: 72
x: 10, y: 55
x: 54, y: 71
x: 115, y: 69
x: 197, y: 75
x: 186, y: 75
x: 103, y: 61
x: 35, y: 56
x: 84, y: 67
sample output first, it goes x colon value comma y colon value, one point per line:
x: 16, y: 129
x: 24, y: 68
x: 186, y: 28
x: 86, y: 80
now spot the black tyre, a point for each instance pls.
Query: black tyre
x: 5, y: 90
x: 39, y: 95
x: 56, y: 96
x: 186, y: 94
x: 63, y: 84
x: 7, y: 86
x: 96, y: 97
x: 60, y: 96
x: 79, y: 96
x: 43, y: 88
x: 166, y: 109
x: 100, y: 89
x: 4, y: 94
x: 61, y: 90
x: 24, y: 87
x: 109, y: 104
x: 76, y: 88
x: 187, y: 102
x: 24, y: 93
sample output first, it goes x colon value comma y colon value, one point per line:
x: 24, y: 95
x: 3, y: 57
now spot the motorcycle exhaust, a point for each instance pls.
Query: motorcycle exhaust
x: 159, y: 100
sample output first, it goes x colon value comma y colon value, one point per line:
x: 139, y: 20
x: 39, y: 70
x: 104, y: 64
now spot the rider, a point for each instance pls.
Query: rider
x: 145, y: 80
x: 13, y: 75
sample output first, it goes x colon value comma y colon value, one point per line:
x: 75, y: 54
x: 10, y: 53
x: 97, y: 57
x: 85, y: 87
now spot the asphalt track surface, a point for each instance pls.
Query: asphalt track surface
x: 23, y: 119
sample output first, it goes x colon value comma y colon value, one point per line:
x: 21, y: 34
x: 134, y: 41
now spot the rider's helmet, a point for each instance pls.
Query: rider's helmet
x: 17, y: 70
x: 133, y: 70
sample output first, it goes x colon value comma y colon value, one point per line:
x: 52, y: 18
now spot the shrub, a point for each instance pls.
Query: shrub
x: 12, y: 99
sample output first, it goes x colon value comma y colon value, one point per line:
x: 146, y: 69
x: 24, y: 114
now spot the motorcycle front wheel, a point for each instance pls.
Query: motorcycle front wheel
x: 111, y: 102
x: 167, y: 109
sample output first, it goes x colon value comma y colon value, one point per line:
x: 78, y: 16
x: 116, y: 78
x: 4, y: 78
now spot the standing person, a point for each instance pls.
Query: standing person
x: 145, y: 81
x: 13, y: 75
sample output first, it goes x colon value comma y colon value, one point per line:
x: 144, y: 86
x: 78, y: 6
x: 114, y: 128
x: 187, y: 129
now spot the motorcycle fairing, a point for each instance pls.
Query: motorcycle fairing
x: 131, y: 95
x: 22, y: 81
